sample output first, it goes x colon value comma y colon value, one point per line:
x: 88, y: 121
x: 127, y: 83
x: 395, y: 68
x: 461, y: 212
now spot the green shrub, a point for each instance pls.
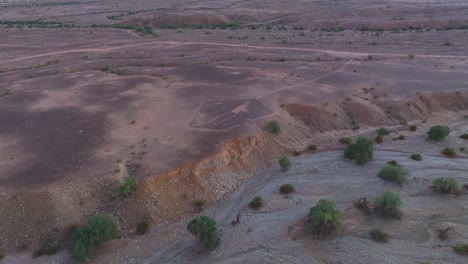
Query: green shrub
x: 387, y: 204
x: 143, y: 227
x: 464, y: 136
x: 447, y: 185
x: 128, y: 187
x: 286, y: 188
x: 256, y: 202
x: 205, y: 229
x: 461, y: 249
x: 401, y: 137
x: 382, y: 132
x: 284, y: 162
x: 413, y: 128
x: 450, y: 152
x: 395, y: 173
x: 378, y: 235
x: 312, y: 147
x: 345, y: 140
x: 199, y: 204
x: 362, y: 151
x: 99, y: 230
x: 378, y: 139
x: 392, y: 162
x: 325, y: 218
x: 438, y: 133
x: 416, y: 156
x: 274, y: 127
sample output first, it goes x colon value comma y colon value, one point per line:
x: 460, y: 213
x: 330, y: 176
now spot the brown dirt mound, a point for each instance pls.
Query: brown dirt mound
x: 388, y: 111
x: 330, y: 117
x: 174, y: 19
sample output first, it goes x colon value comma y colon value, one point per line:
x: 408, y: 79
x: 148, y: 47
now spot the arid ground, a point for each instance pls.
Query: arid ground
x: 90, y: 96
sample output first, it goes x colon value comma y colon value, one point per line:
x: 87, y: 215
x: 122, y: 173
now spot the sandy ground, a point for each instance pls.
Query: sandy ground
x: 275, y: 233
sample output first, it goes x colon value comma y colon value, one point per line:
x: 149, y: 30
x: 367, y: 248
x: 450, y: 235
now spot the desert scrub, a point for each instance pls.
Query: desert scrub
x: 284, y: 162
x: 199, y: 204
x: 401, y: 137
x: 205, y: 229
x: 413, y: 128
x: 382, y: 132
x: 312, y: 147
x: 392, y: 162
x: 325, y: 219
x: 274, y: 127
x: 99, y: 230
x: 286, y: 188
x: 297, y: 153
x: 438, y: 133
x: 449, y: 152
x: 447, y: 185
x: 362, y: 150
x: 256, y: 202
x: 464, y: 136
x: 378, y: 235
x: 394, y: 173
x: 127, y: 187
x: 363, y: 204
x: 47, y: 249
x: 378, y: 139
x: 461, y: 249
x: 416, y: 156
x: 345, y: 140
x: 143, y: 227
x: 387, y: 204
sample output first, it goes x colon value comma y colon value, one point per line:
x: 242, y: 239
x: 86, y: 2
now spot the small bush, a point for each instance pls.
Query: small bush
x: 48, y: 249
x: 286, y: 188
x: 387, y: 204
x: 447, y: 185
x: 401, y: 137
x: 128, y: 187
x: 392, y: 162
x: 345, y: 140
x: 274, y: 127
x: 256, y: 202
x: 99, y: 230
x: 364, y: 205
x: 362, y: 151
x: 416, y: 156
x: 394, y: 173
x: 312, y: 147
x: 438, y: 133
x: 464, y: 136
x: 461, y: 249
x: 143, y: 227
x: 205, y: 229
x: 378, y: 139
x: 443, y: 233
x: 413, y: 128
x: 284, y: 162
x: 378, y: 235
x: 297, y: 153
x: 324, y: 219
x: 382, y: 132
x: 450, y: 152
x: 199, y: 204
